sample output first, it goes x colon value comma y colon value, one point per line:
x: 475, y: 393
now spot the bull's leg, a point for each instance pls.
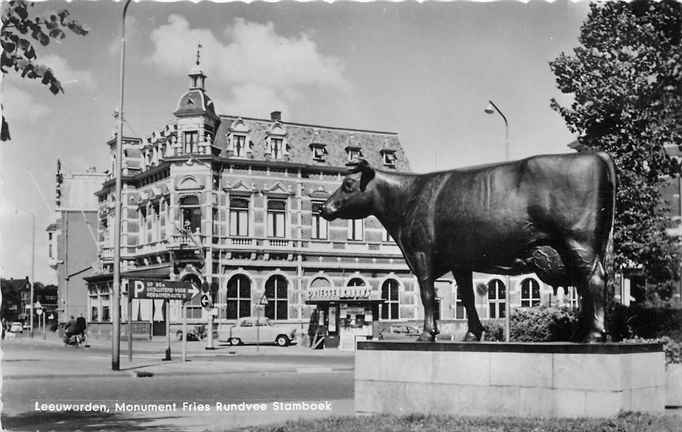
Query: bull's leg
x: 421, y: 266
x: 591, y: 277
x: 593, y: 304
x: 466, y: 285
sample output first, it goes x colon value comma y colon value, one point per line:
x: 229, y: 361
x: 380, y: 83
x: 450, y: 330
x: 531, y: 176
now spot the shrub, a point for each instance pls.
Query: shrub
x: 493, y: 331
x: 671, y: 348
x: 542, y: 324
x: 623, y: 322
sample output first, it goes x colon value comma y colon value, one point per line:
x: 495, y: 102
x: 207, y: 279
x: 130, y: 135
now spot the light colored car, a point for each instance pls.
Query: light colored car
x: 247, y: 329
x: 16, y: 327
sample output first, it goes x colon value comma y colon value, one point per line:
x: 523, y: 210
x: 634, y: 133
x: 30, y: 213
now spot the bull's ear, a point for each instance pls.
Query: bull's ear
x: 363, y: 167
x: 367, y: 173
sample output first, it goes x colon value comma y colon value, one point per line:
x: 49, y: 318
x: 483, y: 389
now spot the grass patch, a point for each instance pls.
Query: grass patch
x: 626, y: 422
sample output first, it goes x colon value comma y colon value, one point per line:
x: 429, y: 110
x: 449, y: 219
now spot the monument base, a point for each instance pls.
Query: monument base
x: 509, y: 379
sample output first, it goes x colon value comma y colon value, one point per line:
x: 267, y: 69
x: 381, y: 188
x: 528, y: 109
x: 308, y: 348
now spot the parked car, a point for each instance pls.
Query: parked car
x: 16, y: 327
x: 195, y: 333
x: 399, y: 332
x: 246, y: 331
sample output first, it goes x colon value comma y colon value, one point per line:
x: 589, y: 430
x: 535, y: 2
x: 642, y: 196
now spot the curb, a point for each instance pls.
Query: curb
x: 148, y: 374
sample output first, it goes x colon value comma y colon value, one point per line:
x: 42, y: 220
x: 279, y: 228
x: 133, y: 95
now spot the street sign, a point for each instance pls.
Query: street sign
x: 50, y: 317
x: 263, y: 301
x: 163, y: 289
x: 39, y: 311
x: 205, y: 301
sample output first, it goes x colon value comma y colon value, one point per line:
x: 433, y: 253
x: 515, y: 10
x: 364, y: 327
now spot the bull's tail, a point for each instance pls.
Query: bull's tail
x: 609, y: 193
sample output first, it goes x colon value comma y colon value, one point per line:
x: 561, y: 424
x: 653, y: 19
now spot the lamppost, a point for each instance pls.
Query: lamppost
x: 116, y: 294
x: 491, y: 109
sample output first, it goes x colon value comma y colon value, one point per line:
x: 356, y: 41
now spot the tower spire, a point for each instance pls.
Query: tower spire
x: 196, y: 75
x: 199, y: 46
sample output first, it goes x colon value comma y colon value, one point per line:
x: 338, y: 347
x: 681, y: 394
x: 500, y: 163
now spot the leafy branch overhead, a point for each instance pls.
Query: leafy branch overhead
x: 626, y: 82
x: 19, y: 33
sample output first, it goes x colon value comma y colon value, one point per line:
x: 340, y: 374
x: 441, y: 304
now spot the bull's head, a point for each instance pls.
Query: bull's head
x: 352, y: 200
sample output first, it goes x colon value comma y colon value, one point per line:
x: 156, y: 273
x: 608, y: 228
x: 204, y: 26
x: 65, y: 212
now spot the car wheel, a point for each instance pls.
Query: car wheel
x: 282, y: 340
x: 235, y: 341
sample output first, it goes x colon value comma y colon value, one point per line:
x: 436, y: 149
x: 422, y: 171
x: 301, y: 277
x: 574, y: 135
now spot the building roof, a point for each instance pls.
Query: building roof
x: 301, y: 137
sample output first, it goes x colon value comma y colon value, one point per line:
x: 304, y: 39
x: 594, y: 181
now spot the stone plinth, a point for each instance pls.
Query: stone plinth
x: 509, y: 379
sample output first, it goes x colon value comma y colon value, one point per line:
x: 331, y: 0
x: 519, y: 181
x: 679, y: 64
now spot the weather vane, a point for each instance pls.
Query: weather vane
x: 199, y: 46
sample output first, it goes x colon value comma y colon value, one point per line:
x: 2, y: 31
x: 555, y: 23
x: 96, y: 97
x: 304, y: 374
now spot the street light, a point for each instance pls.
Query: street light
x: 116, y: 288
x: 492, y: 109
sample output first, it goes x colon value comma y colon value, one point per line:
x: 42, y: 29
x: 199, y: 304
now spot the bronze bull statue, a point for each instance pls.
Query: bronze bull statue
x: 551, y: 215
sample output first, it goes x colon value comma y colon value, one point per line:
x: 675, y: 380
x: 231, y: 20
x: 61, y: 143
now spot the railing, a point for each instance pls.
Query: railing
x: 277, y: 242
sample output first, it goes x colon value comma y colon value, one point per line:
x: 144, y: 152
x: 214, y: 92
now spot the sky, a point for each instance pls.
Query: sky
x: 423, y: 70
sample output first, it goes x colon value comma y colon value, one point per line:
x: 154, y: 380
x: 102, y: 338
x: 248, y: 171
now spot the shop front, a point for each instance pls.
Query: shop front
x: 343, y: 314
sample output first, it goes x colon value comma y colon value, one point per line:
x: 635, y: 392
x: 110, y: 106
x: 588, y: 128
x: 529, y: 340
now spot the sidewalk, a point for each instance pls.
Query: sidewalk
x: 158, y: 344
x: 27, y: 358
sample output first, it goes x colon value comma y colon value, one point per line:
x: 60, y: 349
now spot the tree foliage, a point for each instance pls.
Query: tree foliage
x: 626, y: 83
x: 19, y: 33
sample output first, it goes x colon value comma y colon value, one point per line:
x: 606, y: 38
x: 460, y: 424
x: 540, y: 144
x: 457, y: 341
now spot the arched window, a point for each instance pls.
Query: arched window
x: 276, y: 216
x: 497, y: 297
x: 238, y: 299
x: 390, y: 310
x: 276, y: 292
x: 530, y: 293
x: 191, y: 213
x: 356, y: 282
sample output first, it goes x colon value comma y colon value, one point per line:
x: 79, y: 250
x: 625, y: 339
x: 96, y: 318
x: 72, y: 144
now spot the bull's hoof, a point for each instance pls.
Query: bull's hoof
x: 426, y: 337
x: 472, y: 337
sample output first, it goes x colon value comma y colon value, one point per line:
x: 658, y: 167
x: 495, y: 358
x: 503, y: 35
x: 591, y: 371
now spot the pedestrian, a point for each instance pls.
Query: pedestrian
x: 81, y: 325
x: 70, y: 329
x: 4, y: 325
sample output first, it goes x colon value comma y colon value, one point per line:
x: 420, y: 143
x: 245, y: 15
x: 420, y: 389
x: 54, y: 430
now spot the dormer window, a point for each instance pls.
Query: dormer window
x: 354, y: 153
x: 239, y: 145
x: 389, y: 158
x: 276, y: 147
x: 319, y: 152
x: 238, y: 142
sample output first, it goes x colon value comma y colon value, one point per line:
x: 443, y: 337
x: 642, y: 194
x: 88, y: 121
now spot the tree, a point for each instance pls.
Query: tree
x: 626, y: 83
x: 18, y: 50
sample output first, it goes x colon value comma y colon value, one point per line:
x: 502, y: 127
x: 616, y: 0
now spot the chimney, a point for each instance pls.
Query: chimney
x: 276, y: 116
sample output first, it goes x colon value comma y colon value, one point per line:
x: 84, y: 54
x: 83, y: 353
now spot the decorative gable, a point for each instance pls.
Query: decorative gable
x: 319, y: 193
x: 188, y: 183
x: 239, y: 187
x: 277, y: 189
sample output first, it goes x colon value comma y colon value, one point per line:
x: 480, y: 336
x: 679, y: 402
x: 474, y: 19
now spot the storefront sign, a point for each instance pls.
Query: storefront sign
x: 343, y: 293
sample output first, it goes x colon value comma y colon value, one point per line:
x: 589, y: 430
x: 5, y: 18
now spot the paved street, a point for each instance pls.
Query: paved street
x: 47, y: 372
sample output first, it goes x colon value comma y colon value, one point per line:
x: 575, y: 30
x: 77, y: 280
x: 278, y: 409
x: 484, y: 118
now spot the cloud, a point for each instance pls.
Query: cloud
x: 66, y: 74
x: 21, y: 106
x: 258, y: 68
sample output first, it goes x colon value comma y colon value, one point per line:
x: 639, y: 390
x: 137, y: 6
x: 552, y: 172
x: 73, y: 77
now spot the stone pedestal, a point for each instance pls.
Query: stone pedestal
x: 509, y: 379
